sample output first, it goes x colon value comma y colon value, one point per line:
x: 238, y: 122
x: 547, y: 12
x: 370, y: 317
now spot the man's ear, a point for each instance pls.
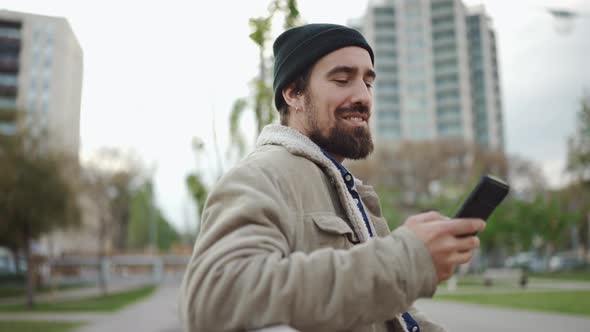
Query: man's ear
x: 292, y: 97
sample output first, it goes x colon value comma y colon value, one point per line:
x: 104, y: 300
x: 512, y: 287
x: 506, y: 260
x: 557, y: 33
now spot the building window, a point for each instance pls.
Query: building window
x: 8, y: 79
x: 10, y: 32
x: 8, y: 128
x: 7, y: 102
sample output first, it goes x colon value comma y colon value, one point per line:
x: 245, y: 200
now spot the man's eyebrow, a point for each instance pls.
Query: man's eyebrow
x: 342, y: 69
x: 350, y: 70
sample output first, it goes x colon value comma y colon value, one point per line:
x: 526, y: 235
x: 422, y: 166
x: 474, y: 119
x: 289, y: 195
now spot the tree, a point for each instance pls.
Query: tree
x: 194, y: 181
x: 578, y: 166
x: 98, y: 186
x: 147, y: 225
x: 420, y: 170
x: 262, y: 96
x: 37, y: 197
x: 115, y: 175
x: 578, y: 156
x: 110, y: 177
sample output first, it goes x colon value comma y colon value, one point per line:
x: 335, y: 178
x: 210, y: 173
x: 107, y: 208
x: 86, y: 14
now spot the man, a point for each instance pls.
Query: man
x: 288, y: 236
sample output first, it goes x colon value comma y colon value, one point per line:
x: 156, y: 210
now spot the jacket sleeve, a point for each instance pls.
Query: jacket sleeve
x: 243, y: 274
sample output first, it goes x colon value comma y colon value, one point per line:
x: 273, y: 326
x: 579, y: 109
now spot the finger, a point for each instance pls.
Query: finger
x: 467, y: 243
x: 458, y: 258
x: 465, y: 226
x: 425, y: 217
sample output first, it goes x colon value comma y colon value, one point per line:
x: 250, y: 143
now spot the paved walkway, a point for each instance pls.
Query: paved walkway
x: 459, y: 317
x: 158, y: 313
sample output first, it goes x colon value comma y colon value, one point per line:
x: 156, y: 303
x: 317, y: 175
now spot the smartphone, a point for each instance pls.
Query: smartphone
x: 483, y: 199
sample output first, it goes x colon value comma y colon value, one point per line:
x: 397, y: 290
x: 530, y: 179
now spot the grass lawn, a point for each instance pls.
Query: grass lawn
x: 570, y: 275
x: 476, y: 281
x: 35, y: 326
x: 571, y: 302
x: 111, y: 302
x: 20, y: 290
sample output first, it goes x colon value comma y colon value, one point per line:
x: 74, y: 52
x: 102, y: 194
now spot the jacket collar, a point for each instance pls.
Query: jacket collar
x: 300, y: 145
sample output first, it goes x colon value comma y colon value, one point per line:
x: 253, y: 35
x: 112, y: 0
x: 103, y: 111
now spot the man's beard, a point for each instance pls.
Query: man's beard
x: 342, y: 140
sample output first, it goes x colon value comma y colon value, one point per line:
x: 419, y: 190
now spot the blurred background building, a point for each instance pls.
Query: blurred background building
x: 438, y: 72
x: 41, y: 64
x: 41, y: 80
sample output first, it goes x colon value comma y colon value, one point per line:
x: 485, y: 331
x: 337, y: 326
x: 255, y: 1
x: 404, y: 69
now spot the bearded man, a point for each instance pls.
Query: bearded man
x: 289, y: 236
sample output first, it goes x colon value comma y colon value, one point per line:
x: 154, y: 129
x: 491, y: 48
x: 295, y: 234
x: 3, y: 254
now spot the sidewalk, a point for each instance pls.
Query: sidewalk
x: 155, y: 314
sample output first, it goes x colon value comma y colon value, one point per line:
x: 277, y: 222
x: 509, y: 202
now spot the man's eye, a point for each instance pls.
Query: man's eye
x: 341, y: 81
x: 369, y: 84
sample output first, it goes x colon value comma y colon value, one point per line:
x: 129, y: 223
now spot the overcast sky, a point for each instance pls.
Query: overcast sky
x: 157, y: 73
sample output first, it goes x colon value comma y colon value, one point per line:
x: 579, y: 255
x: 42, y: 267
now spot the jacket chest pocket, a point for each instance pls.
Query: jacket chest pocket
x: 328, y: 231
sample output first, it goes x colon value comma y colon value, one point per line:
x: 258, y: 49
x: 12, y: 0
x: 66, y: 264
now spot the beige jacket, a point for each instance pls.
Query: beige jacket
x: 275, y: 248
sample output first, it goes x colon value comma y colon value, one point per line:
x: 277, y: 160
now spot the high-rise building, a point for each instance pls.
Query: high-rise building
x: 40, y: 80
x: 485, y: 81
x: 437, y: 72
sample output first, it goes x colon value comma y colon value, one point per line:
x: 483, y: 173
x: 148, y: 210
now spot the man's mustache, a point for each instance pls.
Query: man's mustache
x: 355, y: 108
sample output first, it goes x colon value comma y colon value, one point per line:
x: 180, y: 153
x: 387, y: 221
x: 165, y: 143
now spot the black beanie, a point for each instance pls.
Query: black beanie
x: 296, y: 49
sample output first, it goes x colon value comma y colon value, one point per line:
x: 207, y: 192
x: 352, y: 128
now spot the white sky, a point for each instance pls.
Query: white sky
x: 157, y: 73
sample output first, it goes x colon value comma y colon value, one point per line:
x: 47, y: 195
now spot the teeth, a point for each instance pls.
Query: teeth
x: 357, y: 119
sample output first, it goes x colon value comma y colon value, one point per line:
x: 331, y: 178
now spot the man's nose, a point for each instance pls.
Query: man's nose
x: 361, y: 94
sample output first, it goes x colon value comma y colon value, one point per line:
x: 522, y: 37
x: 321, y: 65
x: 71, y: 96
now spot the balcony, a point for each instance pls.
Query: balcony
x: 447, y: 11
x: 444, y: 24
x: 442, y: 42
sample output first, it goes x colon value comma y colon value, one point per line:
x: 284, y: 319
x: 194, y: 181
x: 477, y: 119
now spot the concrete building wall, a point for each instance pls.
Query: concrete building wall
x: 49, y: 87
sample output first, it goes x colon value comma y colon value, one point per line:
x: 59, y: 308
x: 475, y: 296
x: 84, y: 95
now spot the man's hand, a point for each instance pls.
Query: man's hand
x: 443, y: 239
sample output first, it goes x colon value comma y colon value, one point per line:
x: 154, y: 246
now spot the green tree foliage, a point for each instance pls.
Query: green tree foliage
x: 115, y: 174
x: 262, y: 96
x: 36, y: 198
x: 578, y: 158
x: 389, y: 210
x: 197, y: 190
x: 194, y: 181
x: 148, y: 224
x: 578, y: 165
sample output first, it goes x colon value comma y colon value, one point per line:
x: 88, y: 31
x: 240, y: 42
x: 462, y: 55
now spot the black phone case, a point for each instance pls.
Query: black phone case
x: 484, y: 198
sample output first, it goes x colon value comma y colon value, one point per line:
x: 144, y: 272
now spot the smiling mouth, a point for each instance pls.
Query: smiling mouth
x: 355, y: 119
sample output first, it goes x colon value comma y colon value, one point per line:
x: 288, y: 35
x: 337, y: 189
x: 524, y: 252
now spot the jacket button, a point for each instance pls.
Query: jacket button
x: 415, y: 329
x: 347, y: 177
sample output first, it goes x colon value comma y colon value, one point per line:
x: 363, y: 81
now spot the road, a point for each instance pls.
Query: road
x: 458, y: 317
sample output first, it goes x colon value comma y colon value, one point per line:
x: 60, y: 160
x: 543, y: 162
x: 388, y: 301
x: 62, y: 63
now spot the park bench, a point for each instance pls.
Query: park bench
x: 510, y: 276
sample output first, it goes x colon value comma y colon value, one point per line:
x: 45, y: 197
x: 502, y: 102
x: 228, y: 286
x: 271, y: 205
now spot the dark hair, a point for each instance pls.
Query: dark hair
x: 301, y: 83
